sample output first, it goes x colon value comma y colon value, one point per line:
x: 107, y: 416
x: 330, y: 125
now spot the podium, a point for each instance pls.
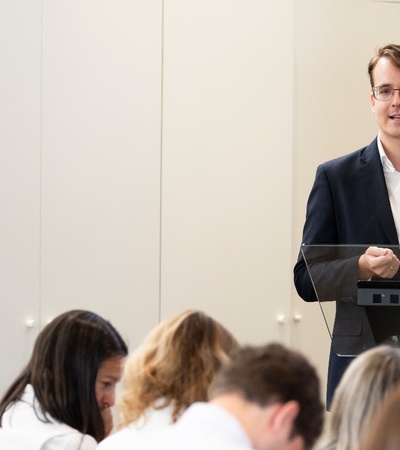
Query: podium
x: 358, y: 314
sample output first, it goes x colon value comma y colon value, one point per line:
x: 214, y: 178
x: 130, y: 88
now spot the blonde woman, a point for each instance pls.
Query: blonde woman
x: 173, y: 368
x: 384, y: 433
x: 359, y: 396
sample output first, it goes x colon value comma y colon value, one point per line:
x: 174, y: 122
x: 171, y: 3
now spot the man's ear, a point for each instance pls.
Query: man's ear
x: 285, y: 415
x: 372, y: 102
x: 279, y: 423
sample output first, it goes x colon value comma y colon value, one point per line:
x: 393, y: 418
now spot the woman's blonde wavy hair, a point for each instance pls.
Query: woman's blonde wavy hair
x: 174, y: 365
x: 359, y: 396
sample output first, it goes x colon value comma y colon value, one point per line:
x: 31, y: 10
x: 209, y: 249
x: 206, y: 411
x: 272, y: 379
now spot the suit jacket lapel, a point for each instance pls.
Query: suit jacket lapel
x: 372, y: 175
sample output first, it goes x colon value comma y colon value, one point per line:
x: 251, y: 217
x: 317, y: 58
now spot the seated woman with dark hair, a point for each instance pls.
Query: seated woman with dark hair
x: 173, y: 368
x: 62, y: 399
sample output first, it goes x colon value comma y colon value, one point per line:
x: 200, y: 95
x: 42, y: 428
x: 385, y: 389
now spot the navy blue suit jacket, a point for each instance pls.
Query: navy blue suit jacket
x: 348, y: 204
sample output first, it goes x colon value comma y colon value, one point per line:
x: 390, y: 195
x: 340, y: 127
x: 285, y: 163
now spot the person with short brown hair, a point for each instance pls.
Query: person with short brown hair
x: 265, y: 398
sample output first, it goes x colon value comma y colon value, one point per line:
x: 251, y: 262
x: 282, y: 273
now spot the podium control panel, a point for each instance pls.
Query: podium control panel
x: 378, y: 293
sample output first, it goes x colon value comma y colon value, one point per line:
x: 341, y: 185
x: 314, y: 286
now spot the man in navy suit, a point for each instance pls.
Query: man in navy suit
x: 355, y: 199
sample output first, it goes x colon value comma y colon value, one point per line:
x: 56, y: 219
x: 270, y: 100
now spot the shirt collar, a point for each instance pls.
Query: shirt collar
x: 386, y: 163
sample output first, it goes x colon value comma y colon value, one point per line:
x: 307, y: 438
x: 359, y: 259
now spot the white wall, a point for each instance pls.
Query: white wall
x: 154, y: 155
x: 157, y: 155
x: 20, y: 148
x: 227, y: 141
x: 80, y: 172
x: 101, y: 156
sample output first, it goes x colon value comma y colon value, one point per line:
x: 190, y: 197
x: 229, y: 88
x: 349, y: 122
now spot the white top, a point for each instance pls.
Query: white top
x: 203, y: 426
x: 23, y: 430
x: 152, y: 420
x: 392, y: 178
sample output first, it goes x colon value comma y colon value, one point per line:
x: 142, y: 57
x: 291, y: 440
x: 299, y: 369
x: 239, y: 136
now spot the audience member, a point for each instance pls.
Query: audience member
x: 265, y: 398
x: 384, y: 432
x: 359, y: 396
x: 172, y: 369
x: 62, y: 399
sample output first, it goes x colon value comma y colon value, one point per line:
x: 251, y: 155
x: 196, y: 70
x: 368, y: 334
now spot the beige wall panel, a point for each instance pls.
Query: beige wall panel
x: 19, y: 181
x: 226, y: 191
x: 101, y: 160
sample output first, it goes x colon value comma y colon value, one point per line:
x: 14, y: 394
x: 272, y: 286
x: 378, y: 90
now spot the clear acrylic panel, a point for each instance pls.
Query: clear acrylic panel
x: 333, y: 273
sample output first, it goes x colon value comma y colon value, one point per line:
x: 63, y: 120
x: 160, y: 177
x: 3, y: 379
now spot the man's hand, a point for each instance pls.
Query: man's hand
x: 381, y: 262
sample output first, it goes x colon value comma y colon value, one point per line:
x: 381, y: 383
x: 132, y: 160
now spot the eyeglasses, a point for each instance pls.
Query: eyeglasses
x: 384, y: 93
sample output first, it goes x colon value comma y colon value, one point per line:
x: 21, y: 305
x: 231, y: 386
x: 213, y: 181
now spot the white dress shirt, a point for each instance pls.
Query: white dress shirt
x: 22, y: 429
x: 203, y: 426
x: 392, y: 178
x: 151, y: 421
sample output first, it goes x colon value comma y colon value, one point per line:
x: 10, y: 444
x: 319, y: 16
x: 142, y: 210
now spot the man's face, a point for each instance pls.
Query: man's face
x: 387, y: 113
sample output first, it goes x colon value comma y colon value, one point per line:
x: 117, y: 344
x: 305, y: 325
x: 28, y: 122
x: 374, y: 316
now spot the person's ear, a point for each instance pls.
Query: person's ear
x: 285, y: 416
x: 372, y: 98
x: 280, y: 426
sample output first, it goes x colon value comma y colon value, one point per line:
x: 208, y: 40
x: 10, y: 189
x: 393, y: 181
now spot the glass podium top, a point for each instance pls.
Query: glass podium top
x: 358, y: 314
